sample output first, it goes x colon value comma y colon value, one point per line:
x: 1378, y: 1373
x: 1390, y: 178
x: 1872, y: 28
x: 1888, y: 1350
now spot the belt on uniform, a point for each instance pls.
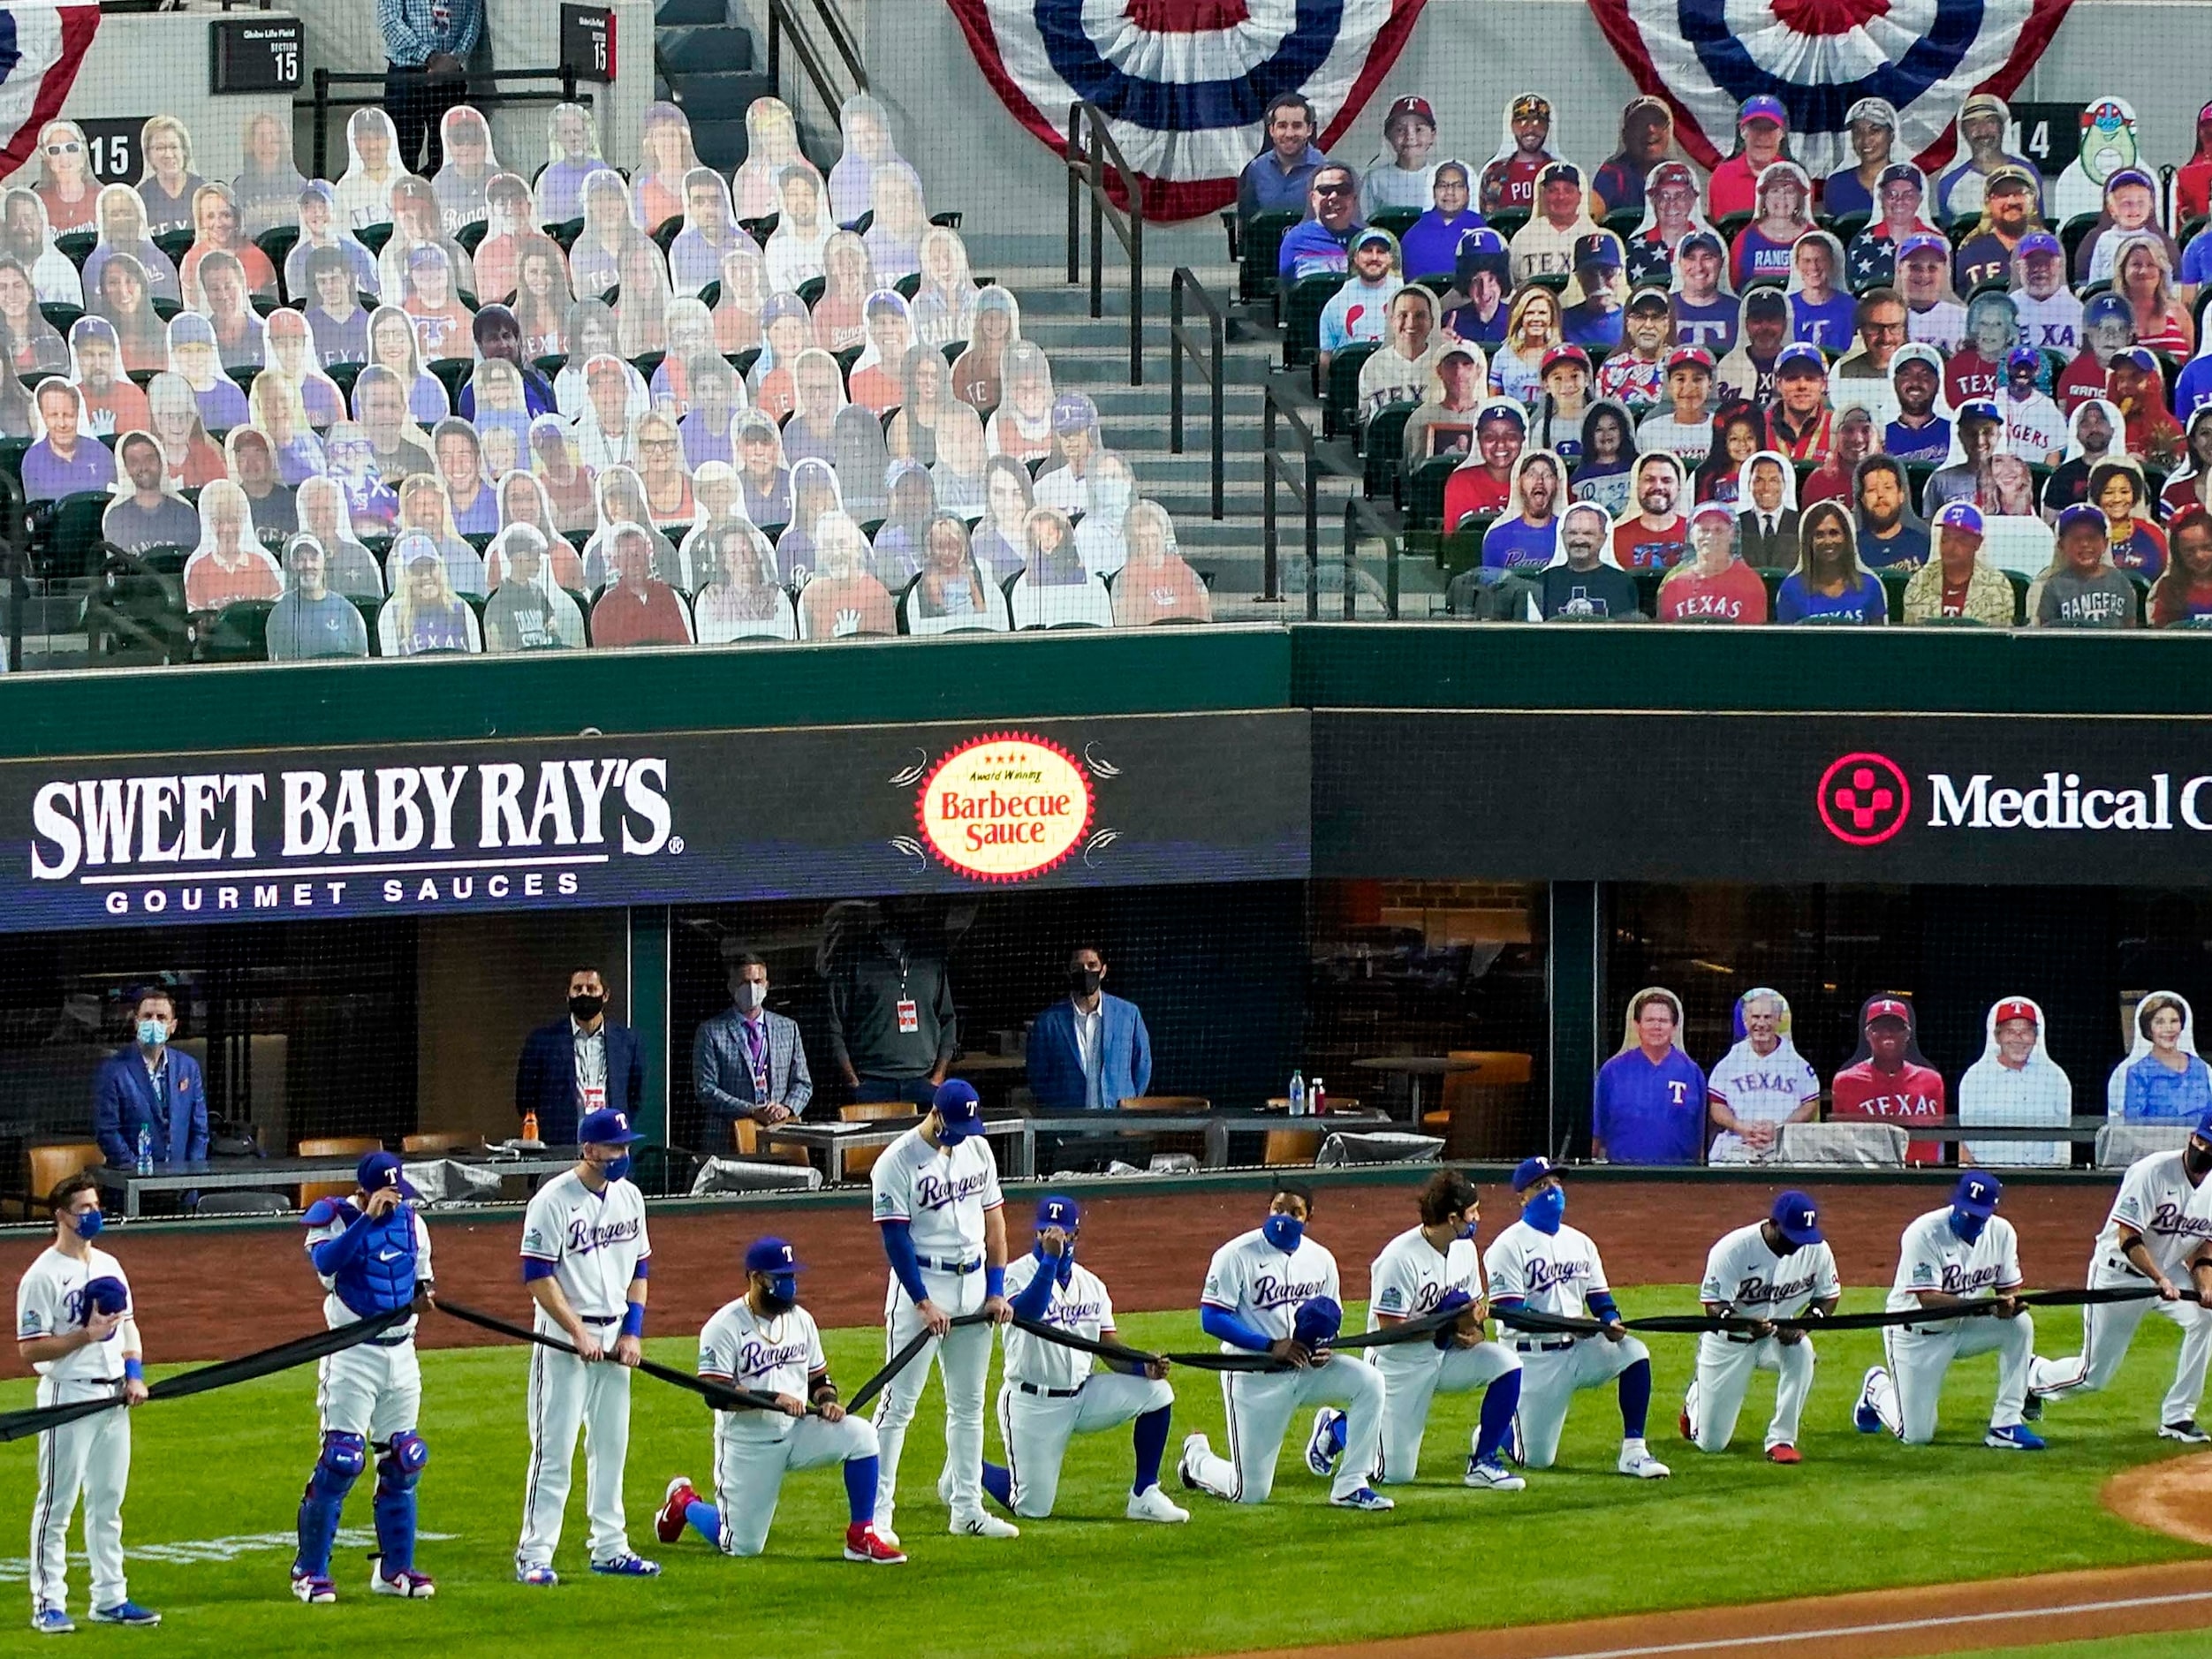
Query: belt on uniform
x: 392, y: 1342
x: 601, y: 1319
x: 1050, y: 1394
x: 1561, y: 1346
x: 948, y: 1267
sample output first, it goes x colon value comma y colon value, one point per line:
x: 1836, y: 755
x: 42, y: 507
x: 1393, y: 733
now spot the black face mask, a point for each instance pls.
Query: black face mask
x: 1083, y: 981
x: 586, y: 1008
x: 2196, y: 1158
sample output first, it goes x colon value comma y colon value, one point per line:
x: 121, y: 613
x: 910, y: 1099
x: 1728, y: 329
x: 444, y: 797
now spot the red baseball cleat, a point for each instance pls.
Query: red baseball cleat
x: 862, y: 1542
x: 668, y: 1526
x: 1783, y: 1454
x: 1682, y: 1424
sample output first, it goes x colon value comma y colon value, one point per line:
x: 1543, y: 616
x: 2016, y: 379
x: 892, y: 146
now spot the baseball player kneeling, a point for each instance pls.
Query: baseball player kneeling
x: 1780, y: 1268
x: 1965, y: 1253
x: 1273, y: 1290
x: 1545, y: 1266
x: 372, y: 1254
x: 1050, y: 1393
x: 1429, y: 1269
x: 765, y: 1342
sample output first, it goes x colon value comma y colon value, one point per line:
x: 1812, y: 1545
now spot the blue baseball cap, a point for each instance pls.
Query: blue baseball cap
x: 1900, y: 172
x: 1529, y: 1171
x: 2081, y: 512
x: 2024, y: 357
x: 1959, y: 515
x: 772, y: 1255
x: 1797, y: 1218
x: 1977, y: 1194
x: 606, y: 1127
x: 1923, y: 242
x: 2131, y: 176
x: 958, y: 1111
x: 1764, y: 107
x: 2203, y: 1131
x: 1800, y: 352
x: 2040, y: 242
x: 381, y: 1170
x: 1057, y: 1210
x: 1709, y: 240
x: 1481, y: 242
x: 2105, y: 307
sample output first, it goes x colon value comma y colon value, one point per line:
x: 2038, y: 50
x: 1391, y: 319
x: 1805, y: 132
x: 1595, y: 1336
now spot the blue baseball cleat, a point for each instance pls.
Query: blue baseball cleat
x: 1864, y: 1418
x: 2019, y: 1437
x: 126, y: 1612
x: 1366, y: 1497
x: 626, y: 1567
x: 541, y: 1578
x: 1321, y: 1445
x: 52, y: 1621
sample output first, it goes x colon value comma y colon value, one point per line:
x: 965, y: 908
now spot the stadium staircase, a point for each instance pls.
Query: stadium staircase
x: 707, y: 65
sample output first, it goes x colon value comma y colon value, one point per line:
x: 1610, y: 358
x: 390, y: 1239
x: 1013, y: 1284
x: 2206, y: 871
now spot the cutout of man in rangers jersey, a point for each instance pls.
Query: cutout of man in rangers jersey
x: 1543, y: 1264
x: 2160, y: 1223
x: 1962, y: 1253
x: 1427, y: 1270
x: 1780, y: 1268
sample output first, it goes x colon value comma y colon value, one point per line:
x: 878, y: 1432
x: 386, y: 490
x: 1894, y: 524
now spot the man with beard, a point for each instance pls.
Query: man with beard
x: 1636, y: 374
x: 150, y: 515
x: 1918, y: 434
x: 1885, y: 537
x: 1530, y: 537
x: 1582, y: 586
x: 1646, y: 135
x: 2034, y: 427
x: 1652, y: 538
x: 1509, y: 181
x: 2049, y: 311
x: 2009, y: 212
x: 1747, y: 373
x: 1982, y: 121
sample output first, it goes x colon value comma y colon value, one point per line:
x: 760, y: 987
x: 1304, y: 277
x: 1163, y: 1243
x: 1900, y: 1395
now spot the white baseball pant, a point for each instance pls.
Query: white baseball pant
x: 1259, y: 1406
x: 1550, y: 1378
x: 1414, y: 1374
x: 753, y: 1454
x: 965, y: 1357
x: 1036, y: 1428
x: 371, y: 1392
x: 91, y: 1456
x: 567, y: 1394
x: 1907, y: 1394
x: 2108, y: 1327
x: 1724, y: 1377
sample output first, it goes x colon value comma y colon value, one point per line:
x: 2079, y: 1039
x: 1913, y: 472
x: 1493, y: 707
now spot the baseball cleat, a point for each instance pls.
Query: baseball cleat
x: 1864, y: 1418
x: 1366, y: 1497
x: 1193, y: 1444
x: 126, y: 1612
x: 1689, y: 1405
x: 626, y: 1567
x: 863, y: 1542
x: 1153, y: 1504
x: 981, y: 1526
x: 406, y: 1583
x: 2019, y: 1437
x: 313, y: 1590
x: 888, y: 1535
x: 1321, y: 1445
x: 2187, y: 1433
x: 668, y: 1526
x: 1636, y: 1460
x: 1494, y: 1475
x: 1784, y: 1453
x: 2032, y: 1408
x: 52, y: 1621
x: 543, y: 1578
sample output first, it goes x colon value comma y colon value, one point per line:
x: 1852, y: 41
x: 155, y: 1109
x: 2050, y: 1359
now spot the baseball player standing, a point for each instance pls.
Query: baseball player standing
x: 1050, y: 1394
x: 1966, y: 1252
x: 2159, y: 1220
x: 767, y: 1343
x: 75, y: 1325
x: 584, y: 1257
x: 942, y: 1223
x: 1780, y: 1268
x: 372, y: 1254
x: 1426, y: 1269
x: 1543, y: 1264
x: 1274, y: 1291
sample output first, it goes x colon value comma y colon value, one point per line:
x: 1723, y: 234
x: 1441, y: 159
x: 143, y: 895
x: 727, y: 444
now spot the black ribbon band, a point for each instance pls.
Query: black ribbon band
x: 720, y: 1396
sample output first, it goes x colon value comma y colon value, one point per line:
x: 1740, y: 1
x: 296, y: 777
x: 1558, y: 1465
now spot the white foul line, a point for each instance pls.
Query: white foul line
x: 1714, y: 1644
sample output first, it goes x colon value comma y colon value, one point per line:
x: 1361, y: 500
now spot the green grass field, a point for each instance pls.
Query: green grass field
x: 1861, y: 1512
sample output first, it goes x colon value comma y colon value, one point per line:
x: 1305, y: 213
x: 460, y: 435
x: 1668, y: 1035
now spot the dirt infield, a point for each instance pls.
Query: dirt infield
x: 1899, y: 1624
x: 2174, y: 1496
x: 208, y: 1295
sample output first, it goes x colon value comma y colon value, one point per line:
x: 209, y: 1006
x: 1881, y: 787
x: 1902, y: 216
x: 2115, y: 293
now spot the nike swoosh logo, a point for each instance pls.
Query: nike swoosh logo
x: 387, y: 1255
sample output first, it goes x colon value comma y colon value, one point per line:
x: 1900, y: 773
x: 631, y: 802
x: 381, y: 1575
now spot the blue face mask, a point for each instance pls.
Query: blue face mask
x: 1969, y: 1227
x: 89, y: 1223
x: 1466, y: 1231
x: 1284, y: 1232
x: 615, y: 1168
x: 783, y: 1289
x: 153, y: 1032
x: 1546, y: 1210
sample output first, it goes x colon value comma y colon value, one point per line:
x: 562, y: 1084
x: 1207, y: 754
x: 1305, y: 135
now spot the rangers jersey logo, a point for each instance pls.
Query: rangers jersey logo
x: 583, y: 1237
x: 1545, y: 1276
x: 756, y: 1357
x: 1958, y: 1280
x: 1269, y: 1292
x: 1755, y: 1290
x: 2176, y: 1223
x: 934, y: 1192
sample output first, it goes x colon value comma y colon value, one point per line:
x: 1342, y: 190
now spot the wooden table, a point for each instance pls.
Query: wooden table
x: 833, y: 1140
x: 1414, y: 1067
x: 210, y: 1174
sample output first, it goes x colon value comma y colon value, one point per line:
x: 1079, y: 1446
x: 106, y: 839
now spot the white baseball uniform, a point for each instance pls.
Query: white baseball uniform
x: 1760, y: 1088
x: 1933, y: 1257
x: 943, y: 1195
x: 595, y: 1244
x: 754, y: 1450
x: 1408, y: 1280
x: 373, y: 1388
x: 1751, y: 1280
x: 1555, y: 1274
x: 1050, y: 1394
x: 2173, y: 1215
x: 1251, y: 1278
x: 91, y: 1456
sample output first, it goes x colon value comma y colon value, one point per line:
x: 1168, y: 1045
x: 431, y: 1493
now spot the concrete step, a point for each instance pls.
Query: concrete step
x: 1091, y: 366
x: 719, y: 96
x: 713, y: 48
x: 690, y: 13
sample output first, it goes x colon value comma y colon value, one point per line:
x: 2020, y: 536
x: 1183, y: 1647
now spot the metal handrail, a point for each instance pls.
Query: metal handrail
x: 1207, y: 358
x: 15, y: 535
x: 489, y: 97
x: 1306, y: 490
x: 842, y: 37
x: 1362, y: 514
x: 1088, y: 170
x: 785, y: 23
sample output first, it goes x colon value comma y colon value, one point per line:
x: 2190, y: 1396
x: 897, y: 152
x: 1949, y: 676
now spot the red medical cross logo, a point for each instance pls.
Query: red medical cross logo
x: 1864, y: 800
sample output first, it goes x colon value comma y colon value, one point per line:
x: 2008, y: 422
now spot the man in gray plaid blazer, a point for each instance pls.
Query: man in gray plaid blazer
x: 746, y: 1062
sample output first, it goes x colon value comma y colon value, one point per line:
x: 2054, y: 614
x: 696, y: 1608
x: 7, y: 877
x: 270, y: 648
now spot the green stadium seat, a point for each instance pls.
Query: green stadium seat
x: 369, y: 607
x: 77, y: 247
x: 176, y: 243
x: 373, y: 237
x: 1462, y: 548
x: 452, y: 372
x: 665, y: 233
x: 906, y: 287
x: 62, y: 315
x: 1425, y: 500
x: 1623, y: 222
x: 811, y: 290
x: 1383, y: 448
x: 73, y: 536
x: 1301, y: 318
x: 761, y: 229
x: 2073, y: 234
x: 1509, y: 222
x: 239, y: 633
x: 1259, y: 246
x: 1341, y: 401
x: 471, y: 236
x: 1396, y: 221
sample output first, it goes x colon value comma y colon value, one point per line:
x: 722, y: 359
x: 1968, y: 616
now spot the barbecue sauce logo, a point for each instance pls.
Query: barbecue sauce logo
x: 1005, y: 808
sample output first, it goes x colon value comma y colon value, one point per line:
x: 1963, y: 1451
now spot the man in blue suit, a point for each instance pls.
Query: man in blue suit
x: 146, y: 1084
x: 1089, y: 1051
x: 581, y: 1063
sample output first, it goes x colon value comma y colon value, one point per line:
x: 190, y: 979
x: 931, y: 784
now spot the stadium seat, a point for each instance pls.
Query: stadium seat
x: 231, y: 1201
x: 49, y: 1165
x: 1382, y: 446
x: 1341, y: 402
x: 439, y: 1142
x: 1396, y: 221
x: 1259, y: 246
x: 1425, y: 500
x: 239, y: 633
x: 745, y: 1136
x: 72, y: 535
x: 1301, y: 318
x: 860, y: 1160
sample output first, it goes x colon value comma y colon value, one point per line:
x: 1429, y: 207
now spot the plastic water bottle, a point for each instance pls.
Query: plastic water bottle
x: 146, y: 1150
x: 1298, y: 1094
x: 1317, y: 1099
